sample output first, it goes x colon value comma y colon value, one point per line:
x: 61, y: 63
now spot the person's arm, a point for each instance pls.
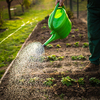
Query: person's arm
x: 60, y: 2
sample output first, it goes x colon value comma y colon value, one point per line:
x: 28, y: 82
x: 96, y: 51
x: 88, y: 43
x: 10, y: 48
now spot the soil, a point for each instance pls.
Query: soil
x: 59, y: 69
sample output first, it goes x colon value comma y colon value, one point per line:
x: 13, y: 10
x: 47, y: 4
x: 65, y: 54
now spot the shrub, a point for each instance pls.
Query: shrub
x: 27, y: 3
x: 69, y: 12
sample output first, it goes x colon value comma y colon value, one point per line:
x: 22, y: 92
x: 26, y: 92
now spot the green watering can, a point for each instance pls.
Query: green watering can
x: 59, y: 23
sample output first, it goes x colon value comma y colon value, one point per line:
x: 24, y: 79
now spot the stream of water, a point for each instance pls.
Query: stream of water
x: 26, y: 73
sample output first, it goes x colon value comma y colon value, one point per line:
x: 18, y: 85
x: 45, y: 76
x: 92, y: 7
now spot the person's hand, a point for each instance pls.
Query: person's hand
x: 60, y: 2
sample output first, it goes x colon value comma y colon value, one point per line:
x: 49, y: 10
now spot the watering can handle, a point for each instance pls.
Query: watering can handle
x: 54, y: 14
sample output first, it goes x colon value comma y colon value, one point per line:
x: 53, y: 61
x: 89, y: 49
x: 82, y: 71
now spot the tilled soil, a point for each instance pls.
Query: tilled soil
x: 57, y: 69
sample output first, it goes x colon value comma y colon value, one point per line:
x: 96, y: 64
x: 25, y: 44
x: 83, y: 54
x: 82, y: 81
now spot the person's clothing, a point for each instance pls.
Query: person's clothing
x: 94, y: 3
x: 93, y: 18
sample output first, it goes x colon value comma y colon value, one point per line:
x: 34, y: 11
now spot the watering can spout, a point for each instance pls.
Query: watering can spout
x: 54, y: 36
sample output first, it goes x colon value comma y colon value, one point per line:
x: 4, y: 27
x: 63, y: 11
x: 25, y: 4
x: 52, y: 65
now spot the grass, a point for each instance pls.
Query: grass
x: 10, y: 47
x: 1, y: 73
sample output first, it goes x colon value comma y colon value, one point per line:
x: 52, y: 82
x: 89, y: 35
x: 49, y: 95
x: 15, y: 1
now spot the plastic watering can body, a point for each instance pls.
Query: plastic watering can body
x: 59, y: 23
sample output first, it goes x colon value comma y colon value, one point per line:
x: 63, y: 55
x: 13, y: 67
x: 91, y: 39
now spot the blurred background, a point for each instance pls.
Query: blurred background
x: 18, y: 7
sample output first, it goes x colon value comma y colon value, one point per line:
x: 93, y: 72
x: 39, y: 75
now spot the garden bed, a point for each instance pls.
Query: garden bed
x: 63, y: 58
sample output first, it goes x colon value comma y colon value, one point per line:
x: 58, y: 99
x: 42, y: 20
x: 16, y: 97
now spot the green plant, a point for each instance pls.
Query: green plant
x: 78, y: 57
x: 33, y: 79
x: 27, y: 3
x: 52, y: 57
x: 57, y: 50
x: 94, y: 81
x: 80, y: 35
x: 67, y: 71
x: 73, y: 36
x: 21, y: 81
x: 85, y: 45
x: 68, y: 44
x: 77, y: 29
x: 76, y: 63
x: 74, y: 57
x: 46, y: 97
x: 63, y: 73
x: 62, y: 96
x: 58, y: 46
x: 81, y: 67
x: 49, y: 81
x: 43, y: 27
x: 67, y: 81
x: 61, y: 58
x: 76, y: 44
x: 81, y: 81
x: 81, y: 57
x: 55, y: 85
x: 49, y: 46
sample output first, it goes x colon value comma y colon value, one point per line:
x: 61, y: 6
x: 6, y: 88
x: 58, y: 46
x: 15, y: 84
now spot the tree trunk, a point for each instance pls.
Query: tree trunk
x: 9, y: 10
x: 9, y: 4
x: 22, y: 8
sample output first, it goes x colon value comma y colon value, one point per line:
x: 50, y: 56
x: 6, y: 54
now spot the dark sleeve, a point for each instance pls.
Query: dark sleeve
x: 87, y: 1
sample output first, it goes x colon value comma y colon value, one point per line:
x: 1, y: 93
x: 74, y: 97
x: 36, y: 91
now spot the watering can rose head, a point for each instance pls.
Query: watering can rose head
x: 59, y: 23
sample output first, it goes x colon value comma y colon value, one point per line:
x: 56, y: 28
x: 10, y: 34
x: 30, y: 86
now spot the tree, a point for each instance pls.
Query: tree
x: 24, y: 2
x: 27, y: 3
x: 21, y: 2
x: 1, y: 19
x: 9, y: 4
